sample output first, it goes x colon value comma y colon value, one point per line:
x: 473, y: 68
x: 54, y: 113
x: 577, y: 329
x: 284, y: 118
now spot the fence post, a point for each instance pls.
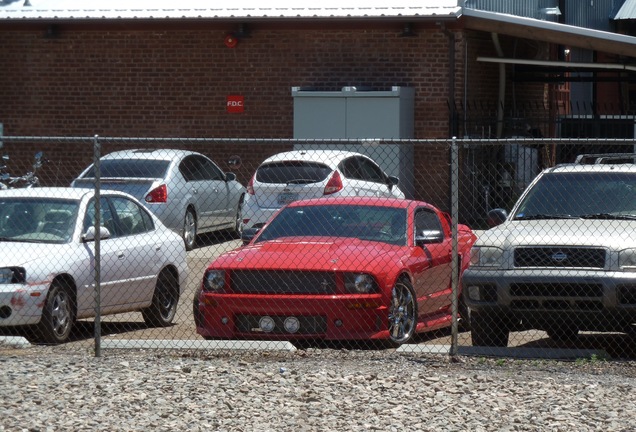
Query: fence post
x: 98, y: 329
x: 454, y: 251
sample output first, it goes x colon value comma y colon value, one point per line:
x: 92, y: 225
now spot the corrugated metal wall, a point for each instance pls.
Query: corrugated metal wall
x: 524, y: 8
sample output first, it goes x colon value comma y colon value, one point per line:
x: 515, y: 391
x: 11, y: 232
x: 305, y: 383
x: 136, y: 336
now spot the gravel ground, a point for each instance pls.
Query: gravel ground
x: 56, y: 389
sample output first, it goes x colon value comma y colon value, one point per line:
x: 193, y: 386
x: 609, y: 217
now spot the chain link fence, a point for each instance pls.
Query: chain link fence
x: 383, y: 261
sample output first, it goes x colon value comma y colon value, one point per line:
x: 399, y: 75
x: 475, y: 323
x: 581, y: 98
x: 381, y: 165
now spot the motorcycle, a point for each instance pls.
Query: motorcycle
x: 27, y: 180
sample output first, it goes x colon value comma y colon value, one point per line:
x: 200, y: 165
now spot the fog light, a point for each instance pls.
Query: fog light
x: 474, y: 293
x: 338, y: 323
x: 267, y: 324
x: 225, y: 320
x: 291, y: 324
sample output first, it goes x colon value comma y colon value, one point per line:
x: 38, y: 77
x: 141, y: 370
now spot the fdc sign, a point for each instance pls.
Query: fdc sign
x: 234, y: 104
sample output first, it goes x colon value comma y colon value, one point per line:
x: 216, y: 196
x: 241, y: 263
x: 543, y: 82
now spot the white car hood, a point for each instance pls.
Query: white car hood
x: 617, y: 234
x: 20, y: 254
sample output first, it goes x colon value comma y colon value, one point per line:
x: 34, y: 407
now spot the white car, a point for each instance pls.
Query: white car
x: 47, y: 260
x: 302, y: 174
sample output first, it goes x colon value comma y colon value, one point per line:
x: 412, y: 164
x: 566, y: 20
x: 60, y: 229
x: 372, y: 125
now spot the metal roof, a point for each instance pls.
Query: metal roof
x: 627, y: 11
x: 236, y: 9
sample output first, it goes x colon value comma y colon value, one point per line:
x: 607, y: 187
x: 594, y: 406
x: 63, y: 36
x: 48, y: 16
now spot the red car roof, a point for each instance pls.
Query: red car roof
x: 358, y: 200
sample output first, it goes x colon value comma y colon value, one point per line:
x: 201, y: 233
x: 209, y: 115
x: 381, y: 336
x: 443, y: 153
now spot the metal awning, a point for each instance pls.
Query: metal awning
x: 627, y: 11
x: 533, y: 29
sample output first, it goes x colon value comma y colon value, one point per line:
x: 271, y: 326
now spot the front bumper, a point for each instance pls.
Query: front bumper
x: 21, y: 304
x: 319, y: 317
x: 594, y: 300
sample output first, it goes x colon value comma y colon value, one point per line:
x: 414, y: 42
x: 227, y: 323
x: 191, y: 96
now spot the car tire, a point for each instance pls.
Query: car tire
x: 189, y: 229
x: 165, y: 299
x: 488, y: 330
x: 563, y: 333
x: 58, y: 315
x: 402, y: 313
x: 464, y: 314
x: 238, y: 221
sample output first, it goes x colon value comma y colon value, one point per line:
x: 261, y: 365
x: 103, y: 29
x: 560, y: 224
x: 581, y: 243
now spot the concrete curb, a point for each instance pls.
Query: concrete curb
x: 14, y: 341
x: 243, y: 345
x: 505, y: 352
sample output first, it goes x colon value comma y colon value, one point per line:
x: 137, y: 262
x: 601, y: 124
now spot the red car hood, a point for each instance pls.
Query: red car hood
x: 314, y: 253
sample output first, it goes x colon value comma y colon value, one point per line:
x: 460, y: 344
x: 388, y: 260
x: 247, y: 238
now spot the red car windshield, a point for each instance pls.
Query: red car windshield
x: 382, y: 224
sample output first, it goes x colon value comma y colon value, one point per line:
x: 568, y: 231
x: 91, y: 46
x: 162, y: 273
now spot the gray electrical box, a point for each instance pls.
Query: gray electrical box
x: 353, y: 113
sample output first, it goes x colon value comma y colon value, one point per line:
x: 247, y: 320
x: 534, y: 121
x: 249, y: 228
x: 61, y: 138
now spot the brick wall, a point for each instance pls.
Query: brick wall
x: 167, y: 81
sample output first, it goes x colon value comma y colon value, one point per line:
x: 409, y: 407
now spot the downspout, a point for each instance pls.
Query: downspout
x: 502, y: 86
x: 451, y: 80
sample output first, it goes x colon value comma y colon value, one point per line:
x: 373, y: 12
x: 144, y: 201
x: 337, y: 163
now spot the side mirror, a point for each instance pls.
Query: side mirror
x: 496, y: 217
x: 428, y: 236
x: 91, y: 234
x: 392, y: 181
x: 230, y: 176
x: 249, y: 234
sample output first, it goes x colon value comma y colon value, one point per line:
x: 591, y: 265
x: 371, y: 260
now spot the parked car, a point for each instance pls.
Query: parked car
x: 47, y: 260
x: 186, y: 190
x: 303, y: 174
x: 336, y: 268
x: 563, y: 260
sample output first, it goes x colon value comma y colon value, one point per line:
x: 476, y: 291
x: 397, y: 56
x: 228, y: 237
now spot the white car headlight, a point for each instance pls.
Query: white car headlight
x: 627, y: 260
x: 486, y: 256
x: 214, y: 280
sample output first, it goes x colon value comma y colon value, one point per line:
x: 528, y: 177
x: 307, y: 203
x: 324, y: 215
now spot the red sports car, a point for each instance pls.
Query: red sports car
x: 336, y: 268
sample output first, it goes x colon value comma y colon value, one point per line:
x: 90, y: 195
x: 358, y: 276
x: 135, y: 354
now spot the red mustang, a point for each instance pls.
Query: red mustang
x: 336, y: 268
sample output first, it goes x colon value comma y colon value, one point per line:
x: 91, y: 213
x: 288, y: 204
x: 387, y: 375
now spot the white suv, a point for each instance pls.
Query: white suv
x: 564, y: 260
x: 300, y: 174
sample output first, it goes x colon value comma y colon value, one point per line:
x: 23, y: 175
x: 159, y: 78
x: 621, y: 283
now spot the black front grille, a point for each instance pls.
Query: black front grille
x: 574, y: 290
x: 309, y: 325
x: 282, y: 282
x: 560, y: 257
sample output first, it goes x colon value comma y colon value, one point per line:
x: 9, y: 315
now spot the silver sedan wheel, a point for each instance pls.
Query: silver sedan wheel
x: 402, y: 313
x: 189, y: 229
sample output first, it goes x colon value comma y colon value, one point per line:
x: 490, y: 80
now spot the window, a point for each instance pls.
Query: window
x: 426, y: 220
x: 198, y: 168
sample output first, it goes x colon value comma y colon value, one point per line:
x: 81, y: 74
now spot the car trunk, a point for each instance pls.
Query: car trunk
x: 137, y: 187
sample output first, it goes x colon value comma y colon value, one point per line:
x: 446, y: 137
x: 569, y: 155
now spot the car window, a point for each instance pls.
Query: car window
x: 426, y: 220
x: 130, y: 168
x: 350, y: 168
x: 37, y: 220
x: 298, y: 172
x: 107, y: 219
x: 370, y: 171
x: 198, y: 168
x: 580, y: 194
x: 383, y: 224
x: 129, y: 216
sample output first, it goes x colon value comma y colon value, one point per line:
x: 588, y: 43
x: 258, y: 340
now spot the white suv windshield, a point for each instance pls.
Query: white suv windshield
x: 575, y: 195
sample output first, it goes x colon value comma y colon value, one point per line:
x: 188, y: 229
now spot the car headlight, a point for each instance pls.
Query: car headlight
x: 12, y: 275
x: 482, y: 256
x: 627, y: 260
x: 360, y: 283
x: 214, y: 280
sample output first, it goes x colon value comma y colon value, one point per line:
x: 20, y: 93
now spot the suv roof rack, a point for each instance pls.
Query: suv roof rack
x: 604, y: 158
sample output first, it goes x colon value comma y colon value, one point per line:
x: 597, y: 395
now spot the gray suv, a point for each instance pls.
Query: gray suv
x: 563, y: 260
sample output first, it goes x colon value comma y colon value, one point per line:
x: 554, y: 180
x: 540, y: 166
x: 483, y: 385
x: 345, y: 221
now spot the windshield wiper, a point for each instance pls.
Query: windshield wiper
x: 608, y: 216
x: 540, y: 216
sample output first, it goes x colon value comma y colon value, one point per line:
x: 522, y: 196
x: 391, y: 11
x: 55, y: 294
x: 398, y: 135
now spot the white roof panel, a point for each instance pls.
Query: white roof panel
x: 627, y: 11
x: 163, y: 9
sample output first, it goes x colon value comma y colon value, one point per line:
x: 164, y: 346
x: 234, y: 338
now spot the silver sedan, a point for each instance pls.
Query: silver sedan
x: 186, y: 190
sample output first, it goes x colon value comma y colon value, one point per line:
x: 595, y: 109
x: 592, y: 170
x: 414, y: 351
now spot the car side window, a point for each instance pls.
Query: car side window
x: 211, y: 171
x: 129, y: 216
x: 370, y: 171
x: 106, y: 217
x: 426, y: 220
x: 350, y: 168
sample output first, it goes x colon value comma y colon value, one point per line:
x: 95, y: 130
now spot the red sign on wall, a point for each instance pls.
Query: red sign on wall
x: 234, y: 104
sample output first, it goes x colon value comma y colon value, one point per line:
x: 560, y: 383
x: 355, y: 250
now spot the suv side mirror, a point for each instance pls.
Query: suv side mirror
x: 496, y: 217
